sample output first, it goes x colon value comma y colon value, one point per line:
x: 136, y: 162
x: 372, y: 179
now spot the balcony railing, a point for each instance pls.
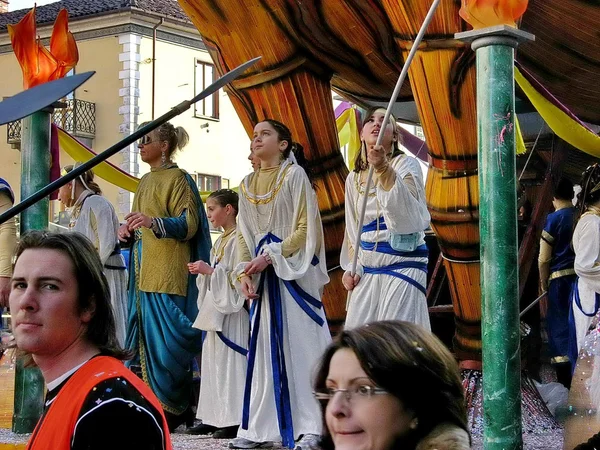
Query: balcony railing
x: 77, y: 118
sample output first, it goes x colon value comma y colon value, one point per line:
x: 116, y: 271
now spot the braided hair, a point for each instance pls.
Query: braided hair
x: 226, y: 197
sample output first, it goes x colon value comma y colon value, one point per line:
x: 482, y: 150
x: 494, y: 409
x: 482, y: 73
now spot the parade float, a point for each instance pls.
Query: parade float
x: 357, y: 48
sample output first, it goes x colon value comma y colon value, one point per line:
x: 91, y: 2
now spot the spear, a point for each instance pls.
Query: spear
x: 77, y: 171
x: 386, y: 119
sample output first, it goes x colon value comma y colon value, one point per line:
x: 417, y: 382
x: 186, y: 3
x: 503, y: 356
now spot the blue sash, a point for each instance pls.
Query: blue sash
x: 232, y: 345
x: 384, y: 247
x: 377, y: 224
x: 280, y: 378
x: 393, y: 268
x: 573, y: 350
x: 5, y: 187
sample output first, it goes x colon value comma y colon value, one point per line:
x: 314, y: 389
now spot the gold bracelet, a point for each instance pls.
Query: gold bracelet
x: 242, y: 275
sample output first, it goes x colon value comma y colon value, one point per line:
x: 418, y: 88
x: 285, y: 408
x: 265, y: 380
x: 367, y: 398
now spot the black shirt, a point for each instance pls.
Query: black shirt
x: 114, y: 416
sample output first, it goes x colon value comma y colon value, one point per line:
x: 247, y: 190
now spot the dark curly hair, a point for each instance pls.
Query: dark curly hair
x: 412, y: 365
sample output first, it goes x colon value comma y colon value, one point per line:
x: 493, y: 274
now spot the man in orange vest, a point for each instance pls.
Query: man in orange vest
x: 61, y: 316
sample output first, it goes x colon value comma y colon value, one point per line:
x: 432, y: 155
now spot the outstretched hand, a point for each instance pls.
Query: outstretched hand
x: 137, y: 220
x: 200, y: 267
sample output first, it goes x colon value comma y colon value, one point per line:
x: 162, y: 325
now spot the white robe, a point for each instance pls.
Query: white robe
x: 304, y: 341
x: 98, y: 221
x: 382, y: 296
x: 220, y: 309
x: 586, y: 244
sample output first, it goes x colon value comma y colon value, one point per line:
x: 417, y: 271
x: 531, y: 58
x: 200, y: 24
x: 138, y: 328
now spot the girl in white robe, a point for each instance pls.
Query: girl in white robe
x: 282, y: 270
x: 586, y: 244
x: 94, y: 216
x: 391, y: 274
x: 222, y: 315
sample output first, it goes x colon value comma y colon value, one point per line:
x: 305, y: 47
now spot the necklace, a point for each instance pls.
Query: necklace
x: 269, y: 197
x: 223, y: 241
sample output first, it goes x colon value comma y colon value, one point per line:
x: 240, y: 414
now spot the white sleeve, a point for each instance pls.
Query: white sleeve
x: 226, y: 298
x: 296, y: 265
x: 106, y: 229
x: 586, y: 243
x: 346, y: 254
x: 403, y: 212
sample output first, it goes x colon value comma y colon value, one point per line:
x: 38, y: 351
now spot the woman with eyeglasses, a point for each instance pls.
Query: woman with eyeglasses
x: 391, y: 385
x: 94, y: 216
x: 391, y: 274
x: 168, y: 229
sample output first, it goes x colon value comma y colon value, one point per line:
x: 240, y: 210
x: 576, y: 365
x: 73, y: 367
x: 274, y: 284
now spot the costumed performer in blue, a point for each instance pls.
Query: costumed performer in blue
x: 391, y: 274
x: 223, y: 317
x: 557, y: 276
x: 169, y: 229
x: 282, y: 271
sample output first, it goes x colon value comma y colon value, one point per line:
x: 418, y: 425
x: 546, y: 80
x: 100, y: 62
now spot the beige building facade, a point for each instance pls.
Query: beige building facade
x: 121, y: 48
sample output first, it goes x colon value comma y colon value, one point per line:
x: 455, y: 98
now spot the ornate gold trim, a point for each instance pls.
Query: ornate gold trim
x: 561, y: 273
x: 274, y: 191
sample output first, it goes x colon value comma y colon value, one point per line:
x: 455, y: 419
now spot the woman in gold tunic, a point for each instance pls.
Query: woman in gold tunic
x: 169, y: 229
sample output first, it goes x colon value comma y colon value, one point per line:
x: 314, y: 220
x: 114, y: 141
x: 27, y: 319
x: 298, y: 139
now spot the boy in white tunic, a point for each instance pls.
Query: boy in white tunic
x: 222, y: 316
x: 94, y: 216
x: 282, y: 270
x: 391, y: 275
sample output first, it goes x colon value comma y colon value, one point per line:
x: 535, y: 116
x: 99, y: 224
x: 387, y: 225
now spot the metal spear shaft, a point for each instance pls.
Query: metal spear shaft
x: 386, y: 118
x: 77, y: 171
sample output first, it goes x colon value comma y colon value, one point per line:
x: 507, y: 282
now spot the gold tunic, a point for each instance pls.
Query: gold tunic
x: 165, y: 193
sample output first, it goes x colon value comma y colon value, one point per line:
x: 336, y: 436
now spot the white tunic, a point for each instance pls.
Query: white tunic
x: 383, y: 296
x: 97, y: 220
x: 223, y: 369
x: 304, y: 340
x: 586, y: 244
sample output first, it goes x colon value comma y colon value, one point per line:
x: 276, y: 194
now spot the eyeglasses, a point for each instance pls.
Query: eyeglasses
x: 145, y: 140
x: 361, y: 391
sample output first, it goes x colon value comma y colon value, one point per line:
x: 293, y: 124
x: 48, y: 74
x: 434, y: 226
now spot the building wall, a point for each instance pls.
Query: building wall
x: 102, y: 89
x: 217, y: 147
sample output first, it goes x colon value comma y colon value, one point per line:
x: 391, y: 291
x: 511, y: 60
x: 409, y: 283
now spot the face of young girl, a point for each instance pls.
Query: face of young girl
x: 265, y: 142
x: 217, y: 214
x: 372, y: 128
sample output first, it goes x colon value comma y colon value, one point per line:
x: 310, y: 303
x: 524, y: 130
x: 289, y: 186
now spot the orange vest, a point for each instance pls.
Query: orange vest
x: 55, y: 430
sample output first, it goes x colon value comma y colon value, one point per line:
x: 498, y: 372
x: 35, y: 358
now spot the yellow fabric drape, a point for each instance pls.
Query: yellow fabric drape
x: 347, y: 128
x: 561, y: 123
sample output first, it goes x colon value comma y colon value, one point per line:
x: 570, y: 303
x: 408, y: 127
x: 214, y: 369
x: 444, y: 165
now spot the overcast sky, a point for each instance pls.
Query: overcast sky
x: 14, y: 5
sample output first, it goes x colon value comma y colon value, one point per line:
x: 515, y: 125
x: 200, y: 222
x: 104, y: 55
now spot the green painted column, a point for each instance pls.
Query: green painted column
x: 35, y: 174
x: 499, y: 248
x: 495, y: 51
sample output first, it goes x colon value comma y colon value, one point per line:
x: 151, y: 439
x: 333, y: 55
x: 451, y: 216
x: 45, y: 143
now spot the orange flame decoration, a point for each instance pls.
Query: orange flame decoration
x: 487, y: 13
x: 38, y: 64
